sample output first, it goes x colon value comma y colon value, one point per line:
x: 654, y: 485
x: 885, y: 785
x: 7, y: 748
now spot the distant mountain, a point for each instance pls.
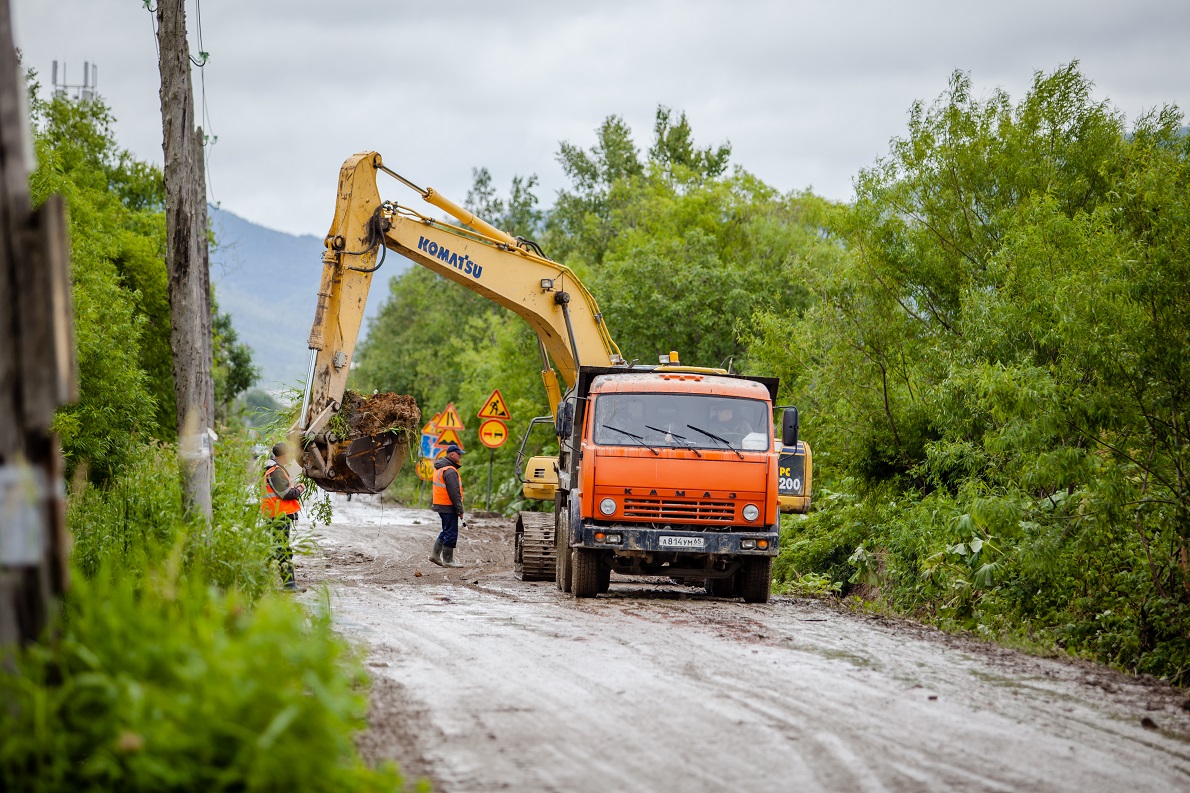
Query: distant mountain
x: 268, y: 281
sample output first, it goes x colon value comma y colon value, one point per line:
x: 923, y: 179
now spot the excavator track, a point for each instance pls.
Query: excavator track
x: 534, y: 558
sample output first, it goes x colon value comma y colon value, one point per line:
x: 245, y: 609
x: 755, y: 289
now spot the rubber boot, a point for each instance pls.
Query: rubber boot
x: 448, y: 558
x: 436, y: 556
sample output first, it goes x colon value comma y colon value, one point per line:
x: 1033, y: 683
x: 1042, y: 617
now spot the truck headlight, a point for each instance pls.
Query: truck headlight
x: 607, y: 506
x: 751, y: 512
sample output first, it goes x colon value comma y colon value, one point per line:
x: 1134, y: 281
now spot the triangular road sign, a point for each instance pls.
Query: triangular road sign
x: 495, y: 407
x: 431, y: 427
x: 450, y: 419
x: 448, y: 437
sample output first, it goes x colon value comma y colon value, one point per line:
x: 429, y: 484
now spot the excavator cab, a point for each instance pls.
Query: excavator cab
x: 794, y: 465
x: 540, y: 478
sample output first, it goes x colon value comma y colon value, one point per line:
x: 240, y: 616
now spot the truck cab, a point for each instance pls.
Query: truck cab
x: 672, y: 472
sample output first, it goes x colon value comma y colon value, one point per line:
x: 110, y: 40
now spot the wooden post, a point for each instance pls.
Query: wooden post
x: 37, y: 372
x: 186, y: 260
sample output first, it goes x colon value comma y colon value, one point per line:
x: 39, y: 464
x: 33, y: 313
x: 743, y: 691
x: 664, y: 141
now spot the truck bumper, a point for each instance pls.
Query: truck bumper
x: 715, y: 543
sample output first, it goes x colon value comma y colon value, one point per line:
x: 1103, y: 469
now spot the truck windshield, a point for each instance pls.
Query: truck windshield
x: 691, y: 421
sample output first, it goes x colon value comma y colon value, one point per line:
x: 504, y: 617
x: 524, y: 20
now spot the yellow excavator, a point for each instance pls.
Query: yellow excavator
x: 515, y: 273
x: 507, y: 270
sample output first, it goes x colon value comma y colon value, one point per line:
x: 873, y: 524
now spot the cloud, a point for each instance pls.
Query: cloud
x: 807, y: 93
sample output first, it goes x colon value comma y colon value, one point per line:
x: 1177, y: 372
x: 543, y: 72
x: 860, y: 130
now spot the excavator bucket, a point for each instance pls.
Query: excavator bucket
x: 364, y: 465
x: 362, y: 450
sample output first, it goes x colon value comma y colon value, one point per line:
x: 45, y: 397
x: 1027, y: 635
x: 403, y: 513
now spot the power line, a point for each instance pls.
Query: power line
x: 209, y: 138
x: 153, y: 26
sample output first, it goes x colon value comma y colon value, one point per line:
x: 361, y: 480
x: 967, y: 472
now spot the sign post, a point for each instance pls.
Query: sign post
x: 425, y: 472
x: 493, y: 432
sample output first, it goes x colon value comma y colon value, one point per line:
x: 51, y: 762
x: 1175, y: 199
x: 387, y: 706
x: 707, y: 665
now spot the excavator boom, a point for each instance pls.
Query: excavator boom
x: 482, y: 258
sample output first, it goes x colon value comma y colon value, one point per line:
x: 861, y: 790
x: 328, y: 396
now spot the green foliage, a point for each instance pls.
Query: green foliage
x: 1000, y: 359
x: 678, y: 255
x: 116, y: 405
x: 122, y: 324
x: 414, y: 344
x: 176, y: 665
x: 169, y: 684
x: 135, y: 521
x: 518, y: 214
x: 173, y: 664
x: 117, y: 232
x: 232, y: 372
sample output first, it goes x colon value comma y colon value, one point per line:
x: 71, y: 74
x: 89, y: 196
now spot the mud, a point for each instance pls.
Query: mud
x: 482, y: 682
x: 379, y: 413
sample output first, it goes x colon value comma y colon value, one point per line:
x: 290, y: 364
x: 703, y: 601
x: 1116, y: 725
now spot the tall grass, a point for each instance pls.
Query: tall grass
x: 133, y: 523
x: 174, y: 664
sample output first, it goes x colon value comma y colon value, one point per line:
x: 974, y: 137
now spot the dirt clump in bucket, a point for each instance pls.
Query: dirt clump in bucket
x: 361, y: 416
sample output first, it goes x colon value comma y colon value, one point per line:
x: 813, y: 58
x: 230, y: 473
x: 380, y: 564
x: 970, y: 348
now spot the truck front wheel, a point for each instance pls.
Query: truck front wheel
x: 585, y: 575
x: 756, y: 579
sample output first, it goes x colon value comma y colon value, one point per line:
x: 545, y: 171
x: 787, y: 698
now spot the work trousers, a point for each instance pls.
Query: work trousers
x: 450, y: 529
x: 282, y: 550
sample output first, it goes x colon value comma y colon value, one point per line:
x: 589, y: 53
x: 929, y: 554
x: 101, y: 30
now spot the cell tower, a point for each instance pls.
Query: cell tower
x: 85, y: 90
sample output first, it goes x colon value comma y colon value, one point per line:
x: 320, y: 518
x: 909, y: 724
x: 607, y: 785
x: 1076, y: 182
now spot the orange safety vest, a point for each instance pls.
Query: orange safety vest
x: 441, y: 494
x: 271, y: 505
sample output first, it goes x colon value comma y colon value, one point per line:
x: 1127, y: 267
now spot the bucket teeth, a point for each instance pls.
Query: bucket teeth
x: 363, y: 465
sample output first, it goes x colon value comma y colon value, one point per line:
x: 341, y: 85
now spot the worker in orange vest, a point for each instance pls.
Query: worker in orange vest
x: 281, y: 506
x: 448, y: 503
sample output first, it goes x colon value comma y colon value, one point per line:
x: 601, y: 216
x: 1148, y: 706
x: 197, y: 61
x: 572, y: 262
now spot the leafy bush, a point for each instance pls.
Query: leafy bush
x: 169, y: 684
x: 998, y: 369
x: 135, y: 523
x: 175, y: 665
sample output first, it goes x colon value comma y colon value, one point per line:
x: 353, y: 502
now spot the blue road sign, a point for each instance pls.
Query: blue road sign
x: 427, y: 445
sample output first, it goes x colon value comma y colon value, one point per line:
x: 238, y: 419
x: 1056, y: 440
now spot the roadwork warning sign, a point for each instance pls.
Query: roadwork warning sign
x: 494, y: 407
x: 450, y: 419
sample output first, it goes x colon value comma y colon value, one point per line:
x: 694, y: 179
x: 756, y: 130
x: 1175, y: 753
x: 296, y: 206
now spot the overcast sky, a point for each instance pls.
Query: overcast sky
x: 806, y: 92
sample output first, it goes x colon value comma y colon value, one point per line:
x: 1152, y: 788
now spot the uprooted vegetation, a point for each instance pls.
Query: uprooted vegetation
x: 360, y: 416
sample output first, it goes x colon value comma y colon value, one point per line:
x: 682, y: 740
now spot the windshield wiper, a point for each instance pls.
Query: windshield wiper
x: 680, y: 438
x: 724, y: 441
x: 634, y: 437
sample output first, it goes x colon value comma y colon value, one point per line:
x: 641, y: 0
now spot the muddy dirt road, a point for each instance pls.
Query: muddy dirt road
x: 485, y: 683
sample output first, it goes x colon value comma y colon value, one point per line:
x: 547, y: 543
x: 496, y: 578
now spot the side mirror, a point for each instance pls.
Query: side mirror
x: 789, y: 424
x: 564, y: 421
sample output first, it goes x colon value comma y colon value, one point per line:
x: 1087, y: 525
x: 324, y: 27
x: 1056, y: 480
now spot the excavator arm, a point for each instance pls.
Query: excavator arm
x: 508, y: 271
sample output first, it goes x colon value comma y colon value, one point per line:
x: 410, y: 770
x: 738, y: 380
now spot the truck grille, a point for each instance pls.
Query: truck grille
x: 662, y: 509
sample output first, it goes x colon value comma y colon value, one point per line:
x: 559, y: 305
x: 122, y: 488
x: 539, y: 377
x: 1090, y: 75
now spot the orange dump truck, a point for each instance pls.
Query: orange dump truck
x: 673, y: 471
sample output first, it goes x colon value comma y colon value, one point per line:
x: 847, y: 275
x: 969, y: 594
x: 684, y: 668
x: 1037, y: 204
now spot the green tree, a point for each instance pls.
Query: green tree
x: 116, y: 410
x: 679, y: 256
x: 998, y: 355
x: 117, y: 233
x: 233, y: 370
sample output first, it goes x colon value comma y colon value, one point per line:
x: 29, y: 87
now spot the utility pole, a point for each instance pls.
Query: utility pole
x: 186, y: 259
x: 37, y: 372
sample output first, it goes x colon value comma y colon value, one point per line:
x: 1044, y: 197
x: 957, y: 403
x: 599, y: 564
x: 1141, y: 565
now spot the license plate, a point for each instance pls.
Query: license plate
x: 683, y: 542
